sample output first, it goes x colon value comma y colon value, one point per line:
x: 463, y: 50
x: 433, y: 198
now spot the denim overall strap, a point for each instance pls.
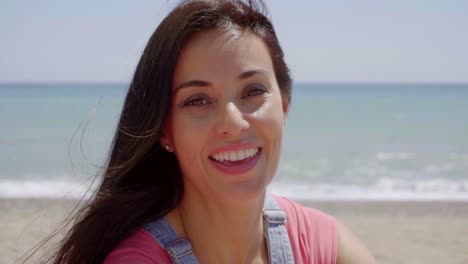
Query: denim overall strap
x: 178, y: 248
x: 279, y: 247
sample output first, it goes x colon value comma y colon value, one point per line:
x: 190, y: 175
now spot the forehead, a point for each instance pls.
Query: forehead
x: 219, y: 53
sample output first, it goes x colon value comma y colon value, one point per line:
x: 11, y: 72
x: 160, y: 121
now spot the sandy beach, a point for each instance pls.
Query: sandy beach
x: 395, y: 232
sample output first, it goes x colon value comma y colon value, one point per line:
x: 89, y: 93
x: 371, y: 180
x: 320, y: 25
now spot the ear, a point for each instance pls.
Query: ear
x: 166, y: 138
x: 165, y: 141
x: 286, y: 104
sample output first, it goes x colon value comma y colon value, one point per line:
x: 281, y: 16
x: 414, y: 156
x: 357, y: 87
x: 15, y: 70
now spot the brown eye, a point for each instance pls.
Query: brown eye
x: 255, y: 90
x: 200, y: 101
x: 196, y: 102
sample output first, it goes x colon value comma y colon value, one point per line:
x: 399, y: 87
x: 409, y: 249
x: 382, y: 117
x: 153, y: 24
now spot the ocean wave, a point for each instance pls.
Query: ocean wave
x: 386, y: 156
x: 44, y: 189
x: 384, y: 189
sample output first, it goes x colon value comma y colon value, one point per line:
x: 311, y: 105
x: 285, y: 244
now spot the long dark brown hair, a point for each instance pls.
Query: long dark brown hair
x: 141, y: 181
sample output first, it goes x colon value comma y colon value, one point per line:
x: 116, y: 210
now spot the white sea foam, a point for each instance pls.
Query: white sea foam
x: 385, y: 156
x: 384, y: 189
x: 43, y: 189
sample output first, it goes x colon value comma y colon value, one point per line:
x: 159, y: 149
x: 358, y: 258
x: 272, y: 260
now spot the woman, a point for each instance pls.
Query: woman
x: 198, y: 141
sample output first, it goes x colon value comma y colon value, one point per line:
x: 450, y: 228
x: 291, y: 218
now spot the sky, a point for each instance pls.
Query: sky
x: 395, y: 41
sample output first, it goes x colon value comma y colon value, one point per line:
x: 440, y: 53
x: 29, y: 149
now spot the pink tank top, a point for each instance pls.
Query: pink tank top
x: 312, y: 235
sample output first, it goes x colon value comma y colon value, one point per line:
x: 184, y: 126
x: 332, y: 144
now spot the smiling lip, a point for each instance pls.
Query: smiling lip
x: 237, y: 167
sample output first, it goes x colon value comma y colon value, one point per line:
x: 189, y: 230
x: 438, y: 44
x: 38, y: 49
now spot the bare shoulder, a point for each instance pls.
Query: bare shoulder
x: 350, y: 248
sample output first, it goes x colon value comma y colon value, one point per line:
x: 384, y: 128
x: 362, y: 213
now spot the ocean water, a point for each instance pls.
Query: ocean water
x: 342, y: 141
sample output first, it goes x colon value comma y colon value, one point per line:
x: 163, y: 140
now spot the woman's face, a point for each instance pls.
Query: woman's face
x: 227, y: 117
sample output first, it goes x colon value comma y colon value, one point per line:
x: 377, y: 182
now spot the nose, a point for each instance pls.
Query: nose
x: 231, y: 121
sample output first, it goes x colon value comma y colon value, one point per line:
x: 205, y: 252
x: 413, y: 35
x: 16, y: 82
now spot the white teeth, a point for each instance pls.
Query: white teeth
x: 235, y: 156
x: 241, y: 155
x: 232, y: 156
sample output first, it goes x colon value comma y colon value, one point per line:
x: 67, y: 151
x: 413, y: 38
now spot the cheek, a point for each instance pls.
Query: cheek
x: 272, y: 116
x: 273, y: 131
x: 189, y: 136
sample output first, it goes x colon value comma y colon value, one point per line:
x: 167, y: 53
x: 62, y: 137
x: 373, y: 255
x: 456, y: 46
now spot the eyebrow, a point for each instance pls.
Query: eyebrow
x: 200, y: 83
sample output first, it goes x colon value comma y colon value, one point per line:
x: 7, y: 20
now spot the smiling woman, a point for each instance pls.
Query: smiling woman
x: 198, y: 142
x: 223, y: 114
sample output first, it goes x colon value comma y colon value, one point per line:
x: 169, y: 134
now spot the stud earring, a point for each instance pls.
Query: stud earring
x: 168, y: 148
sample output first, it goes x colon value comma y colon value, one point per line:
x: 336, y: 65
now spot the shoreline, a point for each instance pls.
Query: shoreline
x: 394, y: 231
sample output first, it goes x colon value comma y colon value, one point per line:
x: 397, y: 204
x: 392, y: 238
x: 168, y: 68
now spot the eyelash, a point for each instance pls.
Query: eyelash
x: 198, y: 101
x: 258, y: 90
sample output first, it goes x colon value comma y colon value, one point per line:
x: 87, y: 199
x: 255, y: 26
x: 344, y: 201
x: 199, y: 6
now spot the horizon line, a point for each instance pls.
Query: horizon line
x: 294, y: 83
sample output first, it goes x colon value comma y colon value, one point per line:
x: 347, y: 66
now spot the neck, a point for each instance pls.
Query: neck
x: 222, y: 231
